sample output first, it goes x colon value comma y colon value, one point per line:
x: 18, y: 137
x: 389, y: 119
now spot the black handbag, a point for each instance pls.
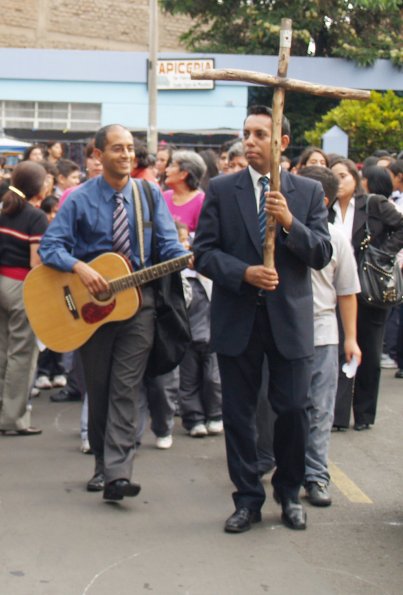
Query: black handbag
x: 172, y: 333
x: 379, y: 272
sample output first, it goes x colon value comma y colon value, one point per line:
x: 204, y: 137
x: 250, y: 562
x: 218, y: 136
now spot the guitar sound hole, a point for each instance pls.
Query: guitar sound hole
x: 103, y: 296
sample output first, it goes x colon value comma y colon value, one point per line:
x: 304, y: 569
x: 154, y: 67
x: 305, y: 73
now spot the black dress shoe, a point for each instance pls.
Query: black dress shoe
x: 399, y: 373
x: 121, y: 488
x: 241, y: 520
x: 339, y: 429
x: 293, y: 515
x: 64, y: 396
x: 96, y: 483
x: 359, y: 427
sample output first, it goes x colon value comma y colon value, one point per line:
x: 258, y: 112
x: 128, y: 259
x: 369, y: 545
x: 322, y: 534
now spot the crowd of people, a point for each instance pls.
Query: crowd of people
x: 280, y: 335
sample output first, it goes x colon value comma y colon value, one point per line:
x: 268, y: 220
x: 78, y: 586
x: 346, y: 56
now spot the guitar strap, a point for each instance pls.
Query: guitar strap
x: 139, y: 221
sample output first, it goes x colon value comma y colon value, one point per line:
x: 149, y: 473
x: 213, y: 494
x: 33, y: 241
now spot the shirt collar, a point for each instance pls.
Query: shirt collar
x: 255, y: 175
x: 108, y: 192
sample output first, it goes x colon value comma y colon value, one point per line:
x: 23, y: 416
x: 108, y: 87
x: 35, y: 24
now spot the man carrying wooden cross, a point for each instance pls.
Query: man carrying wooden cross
x: 267, y: 309
x: 258, y: 310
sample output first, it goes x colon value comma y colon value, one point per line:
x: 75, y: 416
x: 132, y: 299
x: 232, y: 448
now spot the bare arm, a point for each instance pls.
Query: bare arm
x: 34, y: 258
x: 348, y: 312
x: 92, y: 280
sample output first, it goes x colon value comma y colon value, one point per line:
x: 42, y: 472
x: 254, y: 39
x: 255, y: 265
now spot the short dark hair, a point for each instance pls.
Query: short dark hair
x: 396, y: 167
x: 141, y: 152
x: 325, y: 176
x: 101, y: 135
x: 258, y: 110
x: 368, y: 162
x: 50, y: 168
x: 381, y: 153
x: 388, y: 158
x: 225, y: 147
x: 89, y: 149
x: 378, y: 180
x: 65, y: 167
x: 49, y: 203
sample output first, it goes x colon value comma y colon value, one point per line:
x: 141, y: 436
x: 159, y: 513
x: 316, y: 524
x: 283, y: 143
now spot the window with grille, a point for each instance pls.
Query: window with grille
x: 43, y: 115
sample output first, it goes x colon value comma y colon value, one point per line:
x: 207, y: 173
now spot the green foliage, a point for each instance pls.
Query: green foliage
x: 371, y: 125
x: 302, y: 110
x: 359, y: 30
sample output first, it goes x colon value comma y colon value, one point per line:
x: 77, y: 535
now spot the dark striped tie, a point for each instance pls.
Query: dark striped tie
x: 264, y: 180
x: 120, y: 229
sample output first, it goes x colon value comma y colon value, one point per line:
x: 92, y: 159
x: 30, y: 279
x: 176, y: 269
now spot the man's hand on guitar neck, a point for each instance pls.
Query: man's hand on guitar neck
x: 90, y: 278
x: 191, y: 263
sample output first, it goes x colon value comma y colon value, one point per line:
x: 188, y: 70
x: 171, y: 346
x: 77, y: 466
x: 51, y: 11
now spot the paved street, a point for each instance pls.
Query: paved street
x: 57, y: 539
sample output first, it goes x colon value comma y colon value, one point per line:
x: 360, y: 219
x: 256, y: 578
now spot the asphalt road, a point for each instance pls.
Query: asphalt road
x: 57, y: 539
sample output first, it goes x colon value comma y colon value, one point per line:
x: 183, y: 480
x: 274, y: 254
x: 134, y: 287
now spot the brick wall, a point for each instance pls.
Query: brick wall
x: 89, y: 25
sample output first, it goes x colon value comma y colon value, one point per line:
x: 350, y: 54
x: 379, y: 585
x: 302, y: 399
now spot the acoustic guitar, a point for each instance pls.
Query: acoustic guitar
x: 64, y: 315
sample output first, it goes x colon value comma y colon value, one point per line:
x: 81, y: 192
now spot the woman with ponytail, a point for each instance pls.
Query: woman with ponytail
x: 21, y: 228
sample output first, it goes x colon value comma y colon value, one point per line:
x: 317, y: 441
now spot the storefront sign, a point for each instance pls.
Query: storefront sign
x: 175, y: 74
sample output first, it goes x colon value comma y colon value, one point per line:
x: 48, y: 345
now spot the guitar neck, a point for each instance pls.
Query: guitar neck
x: 144, y: 276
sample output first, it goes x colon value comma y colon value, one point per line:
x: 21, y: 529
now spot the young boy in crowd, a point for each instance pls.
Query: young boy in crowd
x: 200, y: 384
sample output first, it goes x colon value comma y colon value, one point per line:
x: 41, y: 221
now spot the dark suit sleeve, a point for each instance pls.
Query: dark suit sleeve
x: 226, y: 270
x: 310, y: 240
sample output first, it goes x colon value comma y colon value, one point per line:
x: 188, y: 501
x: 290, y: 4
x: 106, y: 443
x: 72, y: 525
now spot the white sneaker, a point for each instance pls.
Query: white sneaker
x: 164, y: 442
x: 43, y: 382
x: 59, y: 381
x: 387, y: 362
x: 85, y: 447
x: 215, y: 427
x: 198, y: 431
x: 35, y: 392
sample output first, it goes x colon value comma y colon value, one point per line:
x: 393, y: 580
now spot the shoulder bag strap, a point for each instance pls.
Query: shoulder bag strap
x: 139, y: 221
x: 367, y: 239
x: 149, y: 196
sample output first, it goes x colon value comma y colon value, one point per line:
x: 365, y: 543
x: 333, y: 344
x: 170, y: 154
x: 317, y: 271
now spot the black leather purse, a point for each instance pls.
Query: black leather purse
x: 379, y: 272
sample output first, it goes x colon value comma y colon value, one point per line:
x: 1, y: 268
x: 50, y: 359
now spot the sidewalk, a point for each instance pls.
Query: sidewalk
x: 57, y: 539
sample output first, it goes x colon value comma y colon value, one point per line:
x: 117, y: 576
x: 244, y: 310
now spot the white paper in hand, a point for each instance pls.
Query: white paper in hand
x: 350, y: 368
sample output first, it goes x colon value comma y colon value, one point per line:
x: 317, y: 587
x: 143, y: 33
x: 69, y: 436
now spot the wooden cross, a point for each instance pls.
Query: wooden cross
x: 281, y: 84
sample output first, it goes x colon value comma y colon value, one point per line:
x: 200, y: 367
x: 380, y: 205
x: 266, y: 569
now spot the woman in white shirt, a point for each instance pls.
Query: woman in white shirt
x: 386, y: 227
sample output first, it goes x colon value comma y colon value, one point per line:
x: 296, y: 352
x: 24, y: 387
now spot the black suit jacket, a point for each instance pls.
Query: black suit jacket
x: 228, y: 241
x: 385, y: 224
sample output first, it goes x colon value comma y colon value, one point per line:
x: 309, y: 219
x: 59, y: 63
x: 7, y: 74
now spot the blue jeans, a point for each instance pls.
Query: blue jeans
x: 157, y: 397
x: 322, y: 392
x: 84, y: 418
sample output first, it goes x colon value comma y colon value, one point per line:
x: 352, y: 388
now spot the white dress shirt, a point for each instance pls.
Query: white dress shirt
x: 345, y: 224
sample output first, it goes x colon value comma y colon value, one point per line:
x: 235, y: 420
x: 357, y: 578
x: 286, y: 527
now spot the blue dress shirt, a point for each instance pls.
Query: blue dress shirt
x: 82, y: 228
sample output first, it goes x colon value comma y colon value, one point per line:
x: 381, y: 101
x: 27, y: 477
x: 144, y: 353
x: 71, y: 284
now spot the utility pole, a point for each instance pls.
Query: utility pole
x: 152, y: 133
